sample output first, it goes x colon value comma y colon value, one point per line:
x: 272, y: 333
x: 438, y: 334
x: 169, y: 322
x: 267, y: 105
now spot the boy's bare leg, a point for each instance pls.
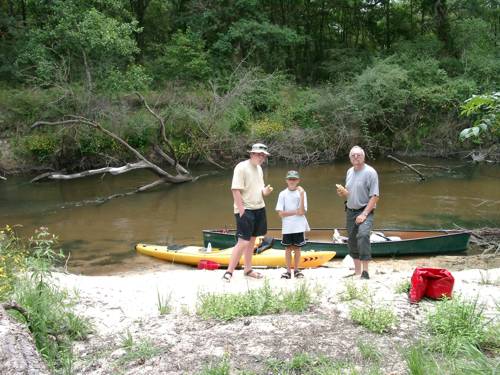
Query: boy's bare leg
x: 288, y: 258
x: 296, y: 258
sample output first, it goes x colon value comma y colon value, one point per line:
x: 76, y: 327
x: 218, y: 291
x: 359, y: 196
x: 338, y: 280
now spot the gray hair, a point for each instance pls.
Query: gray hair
x: 357, y: 148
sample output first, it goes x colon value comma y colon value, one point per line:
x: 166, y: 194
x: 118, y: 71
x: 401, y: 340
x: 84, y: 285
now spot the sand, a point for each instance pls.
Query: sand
x: 128, y: 304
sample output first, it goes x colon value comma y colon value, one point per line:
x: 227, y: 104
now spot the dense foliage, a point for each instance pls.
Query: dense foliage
x: 310, y: 78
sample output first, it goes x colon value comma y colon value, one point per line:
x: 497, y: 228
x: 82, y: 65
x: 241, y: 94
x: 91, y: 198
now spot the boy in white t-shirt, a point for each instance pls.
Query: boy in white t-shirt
x: 292, y: 206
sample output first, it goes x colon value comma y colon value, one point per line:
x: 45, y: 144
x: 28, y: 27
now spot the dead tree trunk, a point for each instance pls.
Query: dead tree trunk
x: 18, y: 354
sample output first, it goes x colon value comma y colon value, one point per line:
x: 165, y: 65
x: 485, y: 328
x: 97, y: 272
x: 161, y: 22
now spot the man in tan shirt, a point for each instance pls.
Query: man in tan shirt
x: 249, y: 208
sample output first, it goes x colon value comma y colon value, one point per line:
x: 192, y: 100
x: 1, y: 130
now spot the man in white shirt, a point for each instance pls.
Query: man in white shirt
x: 292, y: 206
x: 249, y: 209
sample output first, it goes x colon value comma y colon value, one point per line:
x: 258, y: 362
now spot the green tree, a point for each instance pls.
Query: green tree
x: 485, y: 111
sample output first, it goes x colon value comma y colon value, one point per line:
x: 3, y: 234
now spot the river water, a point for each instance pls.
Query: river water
x: 101, y: 237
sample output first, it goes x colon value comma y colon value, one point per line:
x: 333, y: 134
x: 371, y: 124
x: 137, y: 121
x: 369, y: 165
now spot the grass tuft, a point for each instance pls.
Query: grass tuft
x: 255, y: 302
x: 219, y: 367
x: 369, y: 352
x: 137, y: 350
x: 352, y: 292
x: 164, y: 303
x: 306, y: 364
x: 375, y: 319
x: 456, y: 322
x: 403, y: 287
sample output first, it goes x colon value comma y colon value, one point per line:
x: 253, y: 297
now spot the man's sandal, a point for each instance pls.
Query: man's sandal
x: 253, y: 274
x: 297, y: 274
x: 227, y: 276
x: 286, y: 275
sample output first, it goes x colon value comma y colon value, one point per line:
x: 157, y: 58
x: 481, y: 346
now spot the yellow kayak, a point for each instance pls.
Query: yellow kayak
x: 192, y: 255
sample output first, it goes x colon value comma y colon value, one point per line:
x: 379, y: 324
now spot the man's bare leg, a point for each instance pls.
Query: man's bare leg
x: 241, y: 245
x: 247, y: 254
x: 357, y: 267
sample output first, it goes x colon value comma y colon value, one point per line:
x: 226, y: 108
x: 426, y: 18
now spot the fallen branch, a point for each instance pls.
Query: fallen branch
x: 422, y: 177
x: 488, y: 239
x: 183, y: 175
x: 111, y: 170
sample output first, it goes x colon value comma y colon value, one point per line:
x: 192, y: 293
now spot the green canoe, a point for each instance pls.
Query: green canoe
x: 393, y: 241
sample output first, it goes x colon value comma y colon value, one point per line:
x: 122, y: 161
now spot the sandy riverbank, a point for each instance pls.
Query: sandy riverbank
x: 127, y: 303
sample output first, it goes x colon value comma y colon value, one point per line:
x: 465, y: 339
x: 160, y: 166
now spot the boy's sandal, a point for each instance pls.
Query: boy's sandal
x: 297, y: 274
x: 253, y: 274
x: 227, y: 276
x: 286, y: 275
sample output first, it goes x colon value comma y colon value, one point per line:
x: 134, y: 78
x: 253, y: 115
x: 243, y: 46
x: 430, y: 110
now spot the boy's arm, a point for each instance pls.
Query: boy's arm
x: 287, y: 213
x: 301, y: 210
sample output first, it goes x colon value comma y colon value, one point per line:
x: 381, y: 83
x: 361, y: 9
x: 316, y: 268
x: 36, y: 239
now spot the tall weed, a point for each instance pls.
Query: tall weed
x: 456, y: 322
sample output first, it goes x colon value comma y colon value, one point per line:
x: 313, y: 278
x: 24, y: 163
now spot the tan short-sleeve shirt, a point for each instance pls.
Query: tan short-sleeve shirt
x: 249, y: 179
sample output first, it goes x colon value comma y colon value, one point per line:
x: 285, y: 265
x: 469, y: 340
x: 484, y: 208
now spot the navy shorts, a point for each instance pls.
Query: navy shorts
x: 253, y: 223
x: 293, y: 239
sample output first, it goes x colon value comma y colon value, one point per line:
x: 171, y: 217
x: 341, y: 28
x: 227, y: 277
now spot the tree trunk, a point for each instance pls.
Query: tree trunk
x: 18, y: 354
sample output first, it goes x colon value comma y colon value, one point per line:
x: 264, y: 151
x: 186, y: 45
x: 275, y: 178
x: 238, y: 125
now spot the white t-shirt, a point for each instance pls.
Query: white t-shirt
x: 249, y: 179
x: 289, y: 200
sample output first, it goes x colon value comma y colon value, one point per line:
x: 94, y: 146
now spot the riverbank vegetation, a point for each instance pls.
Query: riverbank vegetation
x: 27, y: 291
x: 310, y: 78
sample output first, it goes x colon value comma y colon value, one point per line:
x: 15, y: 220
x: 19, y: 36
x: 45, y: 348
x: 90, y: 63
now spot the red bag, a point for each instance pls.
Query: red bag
x: 205, y: 264
x: 431, y: 282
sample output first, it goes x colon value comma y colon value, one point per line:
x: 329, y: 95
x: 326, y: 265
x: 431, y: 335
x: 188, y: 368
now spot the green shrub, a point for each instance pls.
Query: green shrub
x: 42, y: 146
x: 12, y: 261
x: 94, y: 143
x: 116, y: 81
x: 267, y: 129
x: 49, y: 310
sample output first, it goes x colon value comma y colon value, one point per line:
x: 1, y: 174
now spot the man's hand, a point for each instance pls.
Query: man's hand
x: 360, y: 218
x: 342, y: 191
x: 267, y: 190
x: 242, y: 211
x: 300, y: 190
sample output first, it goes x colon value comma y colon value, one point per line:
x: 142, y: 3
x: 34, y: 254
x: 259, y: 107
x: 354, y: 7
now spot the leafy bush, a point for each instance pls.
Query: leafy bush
x: 266, y: 129
x: 94, y: 143
x: 42, y: 146
x: 135, y: 78
x: 12, y: 261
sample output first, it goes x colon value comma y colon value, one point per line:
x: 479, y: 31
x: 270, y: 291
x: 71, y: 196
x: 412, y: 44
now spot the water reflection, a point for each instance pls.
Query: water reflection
x: 101, y: 238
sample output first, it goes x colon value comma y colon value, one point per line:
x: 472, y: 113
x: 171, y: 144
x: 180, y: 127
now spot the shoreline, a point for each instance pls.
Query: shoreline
x: 127, y: 304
